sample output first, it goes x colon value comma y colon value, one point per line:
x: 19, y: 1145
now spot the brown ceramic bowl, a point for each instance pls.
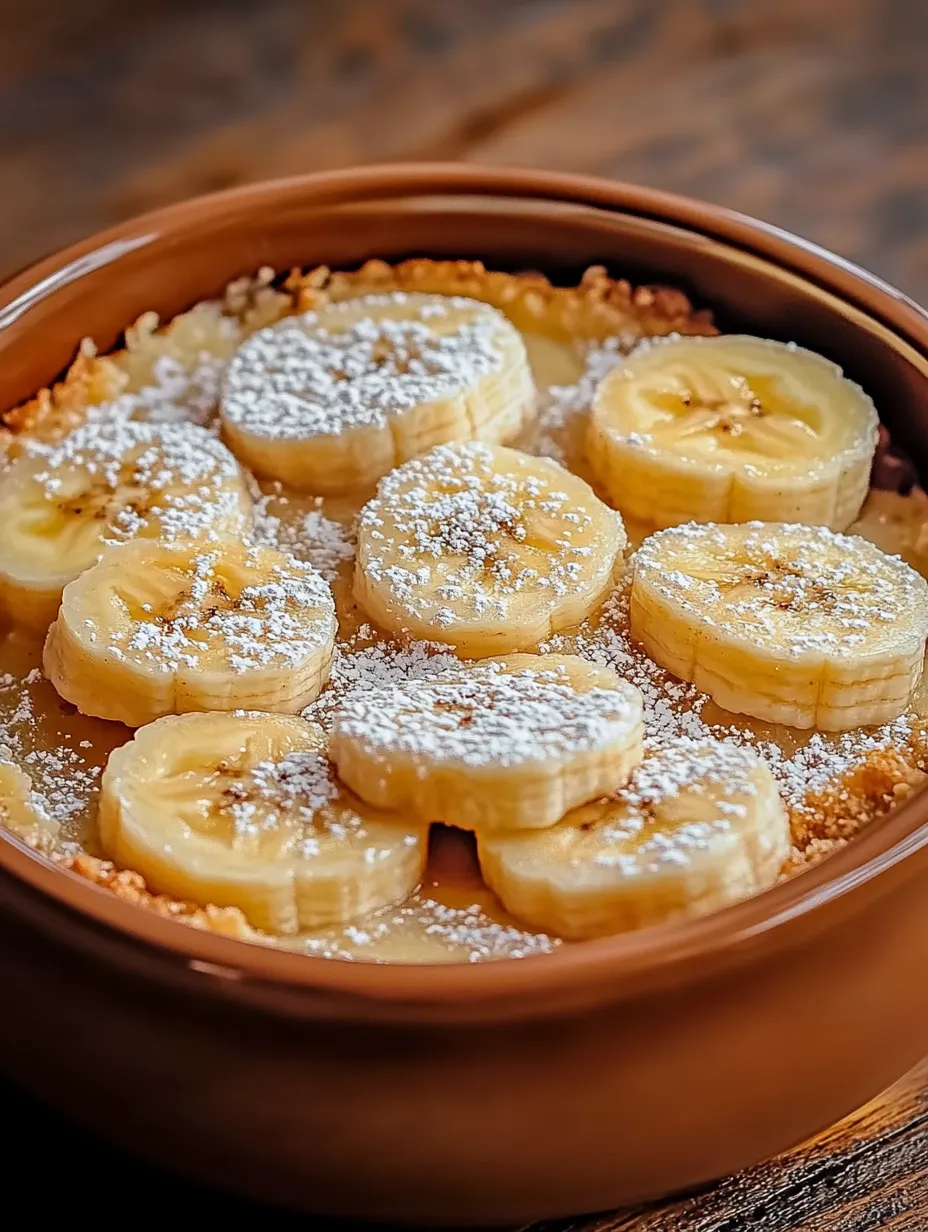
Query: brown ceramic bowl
x: 608, y: 1072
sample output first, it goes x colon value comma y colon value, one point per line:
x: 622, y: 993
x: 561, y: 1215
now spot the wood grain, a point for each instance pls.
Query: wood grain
x: 811, y: 115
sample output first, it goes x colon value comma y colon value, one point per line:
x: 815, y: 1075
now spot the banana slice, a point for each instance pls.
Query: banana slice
x: 21, y: 810
x: 699, y: 826
x: 330, y: 401
x: 485, y: 549
x: 242, y: 810
x: 106, y: 483
x: 732, y: 429
x: 792, y: 624
x: 512, y: 742
x: 157, y: 629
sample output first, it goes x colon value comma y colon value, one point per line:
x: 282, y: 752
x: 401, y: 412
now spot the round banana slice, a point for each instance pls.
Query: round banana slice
x: 485, y: 549
x: 243, y: 810
x: 732, y: 429
x: 792, y: 624
x: 330, y: 401
x: 21, y: 811
x: 700, y: 825
x: 158, y: 628
x: 511, y: 742
x: 106, y: 483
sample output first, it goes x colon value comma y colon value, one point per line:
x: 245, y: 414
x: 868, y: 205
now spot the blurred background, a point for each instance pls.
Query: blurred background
x: 812, y: 114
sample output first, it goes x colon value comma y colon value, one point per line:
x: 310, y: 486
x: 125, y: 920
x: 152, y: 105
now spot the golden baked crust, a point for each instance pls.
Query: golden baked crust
x: 598, y: 307
x: 57, y: 410
x: 131, y: 888
x: 826, y: 820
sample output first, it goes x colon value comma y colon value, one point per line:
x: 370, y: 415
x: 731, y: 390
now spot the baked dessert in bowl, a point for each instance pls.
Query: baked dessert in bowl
x: 413, y: 603
x: 367, y: 500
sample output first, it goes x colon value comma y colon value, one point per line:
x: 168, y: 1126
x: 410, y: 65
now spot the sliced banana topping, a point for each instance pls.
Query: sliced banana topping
x: 21, y: 810
x: 792, y: 624
x: 243, y: 810
x: 484, y: 549
x: 732, y: 429
x: 511, y: 742
x: 699, y: 826
x: 330, y: 401
x: 106, y: 483
x: 157, y: 629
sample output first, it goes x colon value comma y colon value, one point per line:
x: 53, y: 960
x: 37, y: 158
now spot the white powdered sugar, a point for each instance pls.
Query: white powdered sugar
x: 716, y: 778
x: 684, y: 765
x: 490, y: 715
x: 469, y: 928
x: 432, y: 929
x: 560, y: 406
x: 363, y: 665
x: 324, y: 543
x: 309, y: 536
x: 804, y: 589
x: 330, y: 371
x: 63, y: 785
x: 671, y: 707
x: 274, y: 799
x: 177, y: 393
x: 450, y: 537
x: 294, y: 806
x: 455, y: 532
x: 301, y: 782
x: 63, y: 780
x: 823, y: 760
x: 674, y: 710
x: 128, y: 475
x: 276, y: 613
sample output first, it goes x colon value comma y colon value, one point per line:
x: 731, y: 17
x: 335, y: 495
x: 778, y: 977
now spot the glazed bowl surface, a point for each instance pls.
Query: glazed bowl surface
x: 605, y: 1073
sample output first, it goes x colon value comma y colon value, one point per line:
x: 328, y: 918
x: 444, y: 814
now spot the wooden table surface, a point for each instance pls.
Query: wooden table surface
x: 812, y: 114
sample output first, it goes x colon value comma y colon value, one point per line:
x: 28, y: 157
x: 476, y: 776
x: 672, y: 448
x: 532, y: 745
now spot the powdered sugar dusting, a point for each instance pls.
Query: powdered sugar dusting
x: 129, y: 476
x: 268, y: 792
x: 455, y: 533
x: 684, y: 764
x: 490, y: 716
x: 65, y: 769
x: 719, y: 783
x: 255, y: 610
x: 43, y: 734
x: 318, y: 375
x: 275, y: 800
x: 176, y: 393
x: 562, y: 406
x: 310, y: 536
x: 805, y: 589
x: 362, y: 664
x: 425, y: 928
x: 803, y: 764
x: 671, y: 707
x: 823, y: 760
